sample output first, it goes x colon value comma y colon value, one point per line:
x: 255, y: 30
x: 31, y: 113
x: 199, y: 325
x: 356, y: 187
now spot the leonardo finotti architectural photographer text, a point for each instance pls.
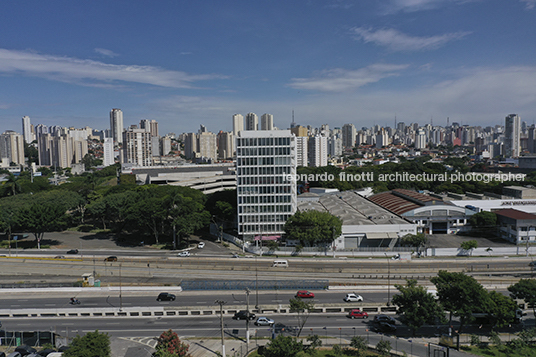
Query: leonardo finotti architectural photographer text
x: 406, y: 176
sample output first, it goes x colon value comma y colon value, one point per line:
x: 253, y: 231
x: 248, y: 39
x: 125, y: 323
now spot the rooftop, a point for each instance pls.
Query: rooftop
x: 515, y: 214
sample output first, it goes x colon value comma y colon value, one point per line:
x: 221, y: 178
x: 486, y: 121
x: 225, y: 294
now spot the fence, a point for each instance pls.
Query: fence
x: 253, y: 284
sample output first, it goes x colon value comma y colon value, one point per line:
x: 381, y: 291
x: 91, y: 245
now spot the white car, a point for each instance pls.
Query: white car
x: 353, y: 297
x: 264, y: 321
x: 201, y: 245
x: 184, y: 254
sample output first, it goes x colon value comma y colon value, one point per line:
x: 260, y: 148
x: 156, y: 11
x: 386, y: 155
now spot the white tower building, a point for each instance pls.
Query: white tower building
x: 116, y: 125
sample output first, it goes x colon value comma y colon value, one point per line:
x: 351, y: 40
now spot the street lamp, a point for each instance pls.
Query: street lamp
x: 221, y: 303
x: 388, y: 280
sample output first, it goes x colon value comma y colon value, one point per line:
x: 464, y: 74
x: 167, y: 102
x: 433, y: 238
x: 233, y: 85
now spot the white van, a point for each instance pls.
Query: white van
x: 280, y: 263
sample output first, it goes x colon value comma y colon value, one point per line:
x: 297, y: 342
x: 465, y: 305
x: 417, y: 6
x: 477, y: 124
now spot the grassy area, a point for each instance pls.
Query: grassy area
x: 502, y: 351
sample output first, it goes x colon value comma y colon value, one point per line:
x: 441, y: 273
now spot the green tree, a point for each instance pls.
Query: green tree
x: 416, y: 306
x: 170, y: 345
x: 280, y: 346
x: 92, y: 344
x: 313, y: 228
x: 384, y: 348
x: 469, y: 246
x: 11, y: 185
x: 302, y: 309
x: 359, y: 343
x: 41, y: 218
x: 315, y: 342
x: 418, y: 241
x: 525, y: 289
x: 461, y: 295
x: 483, y: 221
x: 503, y: 309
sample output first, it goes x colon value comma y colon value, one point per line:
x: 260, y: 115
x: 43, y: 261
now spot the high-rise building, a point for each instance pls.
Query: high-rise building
x: 267, y: 122
x: 206, y: 145
x: 151, y: 125
x: 382, y: 139
x: 108, y: 152
x: 318, y: 151
x: 252, y: 121
x: 116, y: 125
x: 299, y: 130
x: 238, y: 123
x: 137, y: 147
x: 302, y: 158
x: 266, y: 197
x: 61, y: 150
x: 12, y: 147
x: 190, y: 145
x: 348, y: 135
x: 335, y: 145
x: 165, y: 145
x: 512, y: 132
x: 225, y: 145
x: 420, y: 139
x: 27, y: 129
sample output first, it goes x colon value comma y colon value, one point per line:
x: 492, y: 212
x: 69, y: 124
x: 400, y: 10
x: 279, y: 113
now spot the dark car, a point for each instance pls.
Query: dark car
x: 385, y: 318
x: 25, y: 350
x: 111, y: 258
x: 243, y: 314
x: 165, y: 297
x: 305, y: 294
x: 73, y: 251
x: 384, y: 327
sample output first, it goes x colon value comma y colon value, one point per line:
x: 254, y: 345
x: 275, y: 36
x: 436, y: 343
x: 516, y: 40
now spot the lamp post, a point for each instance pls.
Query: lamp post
x: 388, y: 280
x: 221, y: 303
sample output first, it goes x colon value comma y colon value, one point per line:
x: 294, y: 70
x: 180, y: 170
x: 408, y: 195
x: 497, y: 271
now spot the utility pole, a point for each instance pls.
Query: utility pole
x: 221, y: 303
x: 388, y: 280
x: 120, y: 295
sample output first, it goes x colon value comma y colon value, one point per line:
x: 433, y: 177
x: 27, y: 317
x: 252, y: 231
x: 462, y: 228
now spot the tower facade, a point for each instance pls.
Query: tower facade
x: 267, y: 122
x: 27, y: 129
x: 12, y: 147
x: 512, y: 133
x: 348, y: 135
x: 252, y: 121
x: 137, y: 147
x: 116, y: 125
x: 238, y: 123
x: 265, y: 196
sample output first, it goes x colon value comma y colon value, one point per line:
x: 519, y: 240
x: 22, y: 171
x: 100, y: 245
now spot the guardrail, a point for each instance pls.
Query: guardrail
x: 180, y: 311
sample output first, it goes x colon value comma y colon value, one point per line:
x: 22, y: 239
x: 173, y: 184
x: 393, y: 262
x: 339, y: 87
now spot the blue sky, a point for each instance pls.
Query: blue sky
x: 185, y: 63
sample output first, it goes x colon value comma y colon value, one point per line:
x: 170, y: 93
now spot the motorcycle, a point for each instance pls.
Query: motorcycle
x: 75, y: 301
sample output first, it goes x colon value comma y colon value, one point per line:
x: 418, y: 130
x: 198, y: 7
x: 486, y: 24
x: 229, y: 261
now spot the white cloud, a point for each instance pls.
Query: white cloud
x: 394, y: 6
x: 398, y: 41
x: 339, y: 80
x: 105, y: 52
x: 530, y: 4
x: 92, y: 73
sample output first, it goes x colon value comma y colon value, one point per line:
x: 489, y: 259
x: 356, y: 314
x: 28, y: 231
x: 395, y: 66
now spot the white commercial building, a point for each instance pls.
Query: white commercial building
x: 12, y: 147
x: 318, y: 151
x: 116, y: 125
x: 265, y: 196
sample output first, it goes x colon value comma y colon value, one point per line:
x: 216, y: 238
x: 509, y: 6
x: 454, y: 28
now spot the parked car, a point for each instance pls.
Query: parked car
x: 111, y: 258
x: 72, y: 251
x: 243, y: 314
x: 184, y: 254
x: 264, y: 321
x: 357, y: 314
x: 201, y: 245
x: 384, y: 318
x: 25, y: 350
x: 304, y: 294
x: 351, y: 297
x: 165, y: 297
x: 384, y: 327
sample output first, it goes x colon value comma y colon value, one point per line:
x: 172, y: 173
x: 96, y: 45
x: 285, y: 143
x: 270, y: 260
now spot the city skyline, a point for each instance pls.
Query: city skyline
x: 184, y: 64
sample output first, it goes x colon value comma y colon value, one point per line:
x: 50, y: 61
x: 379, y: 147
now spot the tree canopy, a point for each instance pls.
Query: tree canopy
x: 92, y: 344
x: 169, y: 345
x: 525, y: 289
x: 313, y: 228
x: 416, y: 306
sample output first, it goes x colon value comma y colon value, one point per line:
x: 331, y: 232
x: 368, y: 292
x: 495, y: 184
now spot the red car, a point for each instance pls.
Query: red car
x: 357, y: 314
x: 305, y: 294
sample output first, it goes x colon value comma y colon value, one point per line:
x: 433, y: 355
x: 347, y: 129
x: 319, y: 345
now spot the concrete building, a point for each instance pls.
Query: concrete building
x: 150, y: 125
x: 365, y: 224
x: 267, y: 122
x: 238, y: 124
x: 348, y: 135
x: 206, y: 145
x: 429, y: 214
x: 299, y: 130
x: 225, y: 145
x: 252, y: 121
x: 137, y: 147
x: 12, y: 147
x: 512, y: 133
x: 516, y: 226
x: 318, y: 151
x: 116, y: 125
x: 302, y: 157
x: 335, y: 145
x: 108, y: 152
x: 265, y: 196
x: 29, y: 136
x: 61, y: 150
